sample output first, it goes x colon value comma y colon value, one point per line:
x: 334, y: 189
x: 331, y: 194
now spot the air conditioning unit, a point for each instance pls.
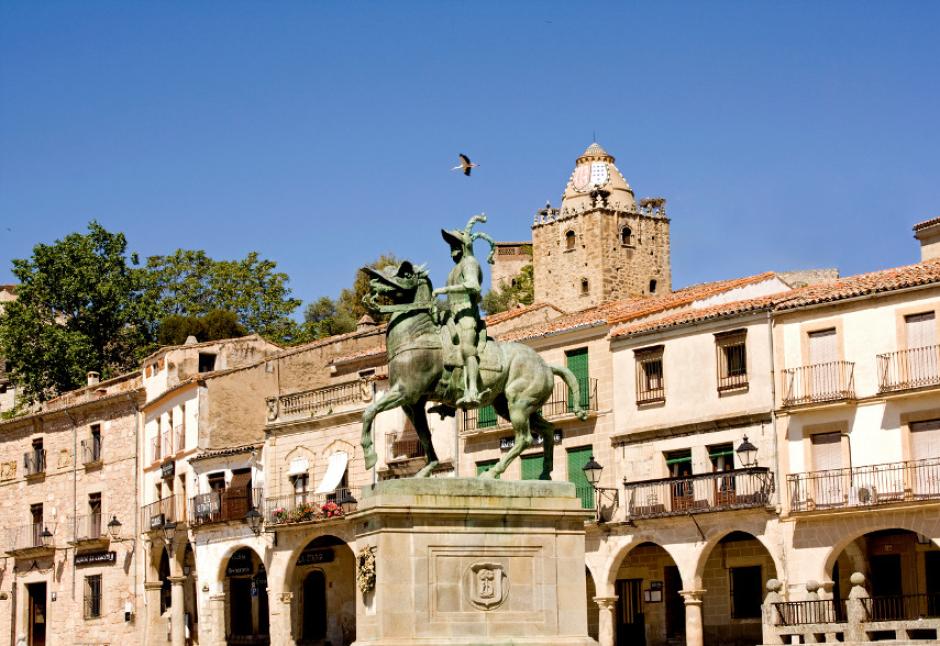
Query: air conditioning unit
x: 861, y: 495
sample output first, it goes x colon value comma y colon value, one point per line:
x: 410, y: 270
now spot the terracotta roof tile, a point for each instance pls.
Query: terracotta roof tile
x: 499, y: 317
x: 926, y: 223
x: 685, y: 317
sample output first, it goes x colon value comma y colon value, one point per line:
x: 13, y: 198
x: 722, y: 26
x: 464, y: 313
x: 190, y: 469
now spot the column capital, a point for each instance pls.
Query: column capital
x: 217, y: 596
x: 606, y: 603
x: 153, y: 585
x: 692, y: 597
x: 176, y: 580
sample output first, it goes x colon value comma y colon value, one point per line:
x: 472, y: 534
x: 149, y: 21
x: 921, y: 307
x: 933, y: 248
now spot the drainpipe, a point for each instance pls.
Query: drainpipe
x: 13, y: 610
x: 74, y: 487
x: 773, y: 407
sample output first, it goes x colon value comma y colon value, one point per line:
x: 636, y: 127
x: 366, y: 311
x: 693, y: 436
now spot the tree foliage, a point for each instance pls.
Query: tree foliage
x: 519, y: 291
x: 216, y: 324
x: 80, y: 306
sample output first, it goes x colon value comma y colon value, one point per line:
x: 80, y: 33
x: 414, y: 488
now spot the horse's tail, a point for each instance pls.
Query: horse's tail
x: 574, y: 389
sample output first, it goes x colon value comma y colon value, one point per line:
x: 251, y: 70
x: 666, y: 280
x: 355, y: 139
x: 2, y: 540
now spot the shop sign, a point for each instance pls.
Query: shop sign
x: 506, y: 443
x: 168, y: 469
x: 157, y: 521
x: 239, y: 564
x: 309, y: 557
x: 95, y: 558
x: 207, y: 504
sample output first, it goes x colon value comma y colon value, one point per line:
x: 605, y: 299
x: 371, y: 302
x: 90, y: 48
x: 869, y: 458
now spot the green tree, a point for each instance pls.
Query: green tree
x: 217, y: 324
x: 519, y: 291
x: 190, y: 283
x: 80, y: 306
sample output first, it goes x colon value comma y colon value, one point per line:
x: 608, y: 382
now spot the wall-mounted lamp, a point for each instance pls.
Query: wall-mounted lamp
x: 592, y: 471
x: 254, y: 520
x: 169, y: 532
x: 747, y: 453
x: 114, y: 528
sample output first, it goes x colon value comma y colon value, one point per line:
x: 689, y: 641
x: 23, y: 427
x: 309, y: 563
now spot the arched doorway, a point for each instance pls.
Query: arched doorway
x: 650, y: 611
x: 247, y: 599
x: 902, y: 574
x: 593, y: 612
x: 166, y: 590
x: 324, y: 585
x: 733, y: 576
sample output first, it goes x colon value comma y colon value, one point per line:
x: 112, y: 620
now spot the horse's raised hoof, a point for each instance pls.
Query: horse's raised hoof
x: 370, y: 457
x: 426, y: 471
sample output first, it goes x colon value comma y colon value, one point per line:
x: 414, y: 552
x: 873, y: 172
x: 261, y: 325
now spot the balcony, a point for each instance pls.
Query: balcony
x: 171, y: 509
x: 319, y: 402
x: 720, y: 491
x: 909, y: 369
x: 34, y: 463
x: 179, y: 437
x: 28, y: 540
x: 866, y: 486
x: 91, y: 452
x: 88, y: 530
x: 156, y: 446
x: 222, y: 506
x: 819, y: 383
x: 558, y: 407
x: 402, y: 450
x: 309, y: 507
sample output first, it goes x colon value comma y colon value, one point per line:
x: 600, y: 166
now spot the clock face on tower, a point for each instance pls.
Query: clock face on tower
x: 587, y: 176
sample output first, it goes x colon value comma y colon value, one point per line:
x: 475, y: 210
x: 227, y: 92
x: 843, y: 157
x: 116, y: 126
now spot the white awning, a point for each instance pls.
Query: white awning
x: 335, y: 469
x: 298, y: 466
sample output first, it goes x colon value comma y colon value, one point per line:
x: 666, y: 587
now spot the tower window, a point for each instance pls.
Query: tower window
x: 626, y: 237
x: 585, y: 287
x: 653, y: 286
x: 570, y: 239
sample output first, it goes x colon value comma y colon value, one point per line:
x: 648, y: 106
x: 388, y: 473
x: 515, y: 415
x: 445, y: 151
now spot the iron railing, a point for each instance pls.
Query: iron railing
x: 155, y: 452
x: 179, y: 437
x: 91, y: 450
x: 309, y: 507
x: 171, y: 509
x: 560, y: 404
x: 34, y: 462
x: 902, y: 607
x: 166, y: 443
x: 221, y: 506
x: 732, y: 382
x: 800, y: 613
x: 913, y: 368
x: 402, y: 449
x: 29, y: 536
x: 823, y: 382
x: 87, y: 527
x: 320, y: 401
x: 865, y: 486
x: 719, y: 491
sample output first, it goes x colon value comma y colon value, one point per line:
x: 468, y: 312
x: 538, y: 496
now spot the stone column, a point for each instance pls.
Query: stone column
x: 280, y: 605
x: 177, y: 611
x: 606, y: 630
x: 694, y: 633
x: 152, y: 595
x: 217, y: 604
x: 855, y: 612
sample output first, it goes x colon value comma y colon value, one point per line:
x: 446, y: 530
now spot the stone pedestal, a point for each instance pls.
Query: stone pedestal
x: 463, y: 561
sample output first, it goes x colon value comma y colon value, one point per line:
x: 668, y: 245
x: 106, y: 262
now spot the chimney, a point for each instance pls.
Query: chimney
x: 928, y: 233
x: 93, y: 377
x: 365, y: 323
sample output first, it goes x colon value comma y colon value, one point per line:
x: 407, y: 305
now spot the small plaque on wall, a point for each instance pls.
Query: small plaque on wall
x: 653, y: 596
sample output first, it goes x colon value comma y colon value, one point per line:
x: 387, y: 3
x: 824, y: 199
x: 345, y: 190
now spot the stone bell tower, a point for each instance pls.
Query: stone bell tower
x: 600, y: 245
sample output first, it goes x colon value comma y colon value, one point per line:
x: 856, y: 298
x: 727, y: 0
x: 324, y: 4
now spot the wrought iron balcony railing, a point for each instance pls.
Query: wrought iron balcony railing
x: 801, y: 613
x: 87, y: 527
x: 718, y: 491
x: 319, y: 402
x: 34, y: 462
x: 155, y: 449
x: 91, y: 451
x: 902, y: 607
x: 865, y: 486
x: 221, y: 506
x: 155, y: 515
x: 399, y: 450
x: 309, y: 507
x: 558, y: 406
x: 907, y: 369
x: 30, y: 536
x: 819, y: 383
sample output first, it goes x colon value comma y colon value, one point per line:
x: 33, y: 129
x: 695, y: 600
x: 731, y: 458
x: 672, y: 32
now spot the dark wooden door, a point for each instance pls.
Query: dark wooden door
x: 239, y: 592
x: 37, y: 614
x: 315, y: 606
x: 675, y: 604
x: 631, y: 622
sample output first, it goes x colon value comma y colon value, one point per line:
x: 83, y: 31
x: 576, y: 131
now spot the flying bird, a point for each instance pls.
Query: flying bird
x: 465, y: 164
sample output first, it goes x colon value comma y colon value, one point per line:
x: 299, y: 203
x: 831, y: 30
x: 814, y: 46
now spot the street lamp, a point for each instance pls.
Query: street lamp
x: 254, y: 520
x: 747, y: 453
x: 114, y: 528
x: 46, y: 537
x: 347, y: 502
x: 169, y: 532
x: 592, y: 470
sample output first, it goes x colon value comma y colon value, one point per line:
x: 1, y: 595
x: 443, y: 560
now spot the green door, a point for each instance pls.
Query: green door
x: 577, y: 361
x: 577, y: 458
x: 484, y: 465
x: 486, y: 417
x: 532, y: 466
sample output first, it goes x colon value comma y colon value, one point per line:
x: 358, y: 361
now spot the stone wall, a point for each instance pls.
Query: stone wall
x: 508, y: 261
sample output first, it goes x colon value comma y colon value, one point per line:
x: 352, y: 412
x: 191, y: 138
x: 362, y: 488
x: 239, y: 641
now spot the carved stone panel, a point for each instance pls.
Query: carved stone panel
x: 488, y: 585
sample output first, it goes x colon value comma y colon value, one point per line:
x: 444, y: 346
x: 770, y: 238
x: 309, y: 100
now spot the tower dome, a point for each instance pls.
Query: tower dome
x: 597, y: 183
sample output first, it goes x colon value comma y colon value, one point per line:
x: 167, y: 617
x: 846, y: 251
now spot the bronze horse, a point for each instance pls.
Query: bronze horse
x: 518, y: 381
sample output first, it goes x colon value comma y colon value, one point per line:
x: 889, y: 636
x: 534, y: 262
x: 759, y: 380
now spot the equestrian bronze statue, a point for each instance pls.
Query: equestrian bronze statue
x: 446, y: 357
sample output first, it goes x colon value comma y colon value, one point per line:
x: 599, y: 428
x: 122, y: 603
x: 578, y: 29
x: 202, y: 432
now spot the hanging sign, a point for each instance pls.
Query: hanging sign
x: 95, y: 558
x: 506, y: 443
x: 168, y: 469
x: 309, y: 557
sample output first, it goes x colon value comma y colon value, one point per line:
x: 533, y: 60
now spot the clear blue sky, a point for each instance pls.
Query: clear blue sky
x: 784, y: 135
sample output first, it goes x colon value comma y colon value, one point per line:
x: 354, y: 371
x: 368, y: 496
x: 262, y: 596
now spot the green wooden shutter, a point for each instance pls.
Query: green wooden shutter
x: 484, y: 465
x: 532, y: 466
x: 577, y: 458
x: 486, y: 417
x: 577, y: 361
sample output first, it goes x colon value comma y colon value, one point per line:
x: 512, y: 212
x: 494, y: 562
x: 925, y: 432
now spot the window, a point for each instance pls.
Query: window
x: 822, y: 347
x: 746, y: 592
x: 653, y: 286
x: 93, y: 596
x: 682, y: 491
x: 95, y: 442
x: 827, y: 451
x: 626, y: 237
x: 921, y: 330
x: 650, y: 385
x: 35, y: 514
x: 585, y: 287
x: 216, y: 481
x: 484, y: 465
x: 925, y: 439
x: 722, y: 459
x: 583, y: 489
x: 301, y: 484
x: 206, y: 362
x: 94, y: 515
x: 34, y: 462
x: 732, y: 360
x: 577, y: 362
x: 570, y: 239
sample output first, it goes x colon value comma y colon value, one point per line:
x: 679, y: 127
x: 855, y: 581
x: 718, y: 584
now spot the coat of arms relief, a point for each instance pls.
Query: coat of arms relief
x: 488, y: 585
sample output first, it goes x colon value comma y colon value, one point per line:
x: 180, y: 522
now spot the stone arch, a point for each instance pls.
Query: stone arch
x: 620, y: 553
x: 721, y: 534
x: 593, y: 612
x: 223, y: 561
x: 571, y: 239
x: 919, y: 525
